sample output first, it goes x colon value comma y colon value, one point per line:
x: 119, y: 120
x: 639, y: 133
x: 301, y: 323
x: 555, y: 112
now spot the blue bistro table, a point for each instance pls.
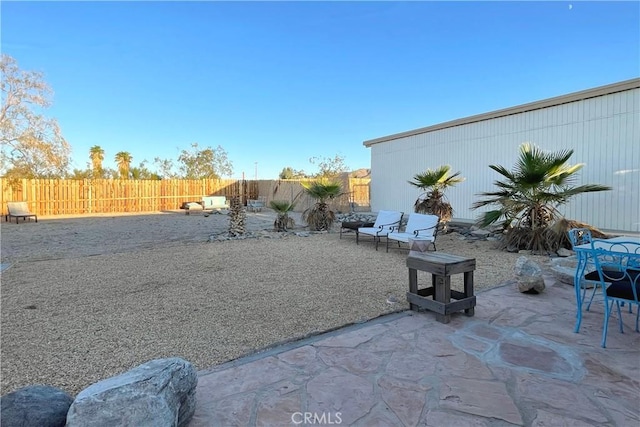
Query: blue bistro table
x: 583, y: 254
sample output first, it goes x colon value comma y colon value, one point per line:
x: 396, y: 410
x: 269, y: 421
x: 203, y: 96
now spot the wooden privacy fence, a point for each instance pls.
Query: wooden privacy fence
x: 71, y: 197
x: 66, y: 196
x: 355, y: 197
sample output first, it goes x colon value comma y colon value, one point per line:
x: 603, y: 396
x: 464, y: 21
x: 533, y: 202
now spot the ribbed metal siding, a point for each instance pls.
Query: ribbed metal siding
x: 604, y: 133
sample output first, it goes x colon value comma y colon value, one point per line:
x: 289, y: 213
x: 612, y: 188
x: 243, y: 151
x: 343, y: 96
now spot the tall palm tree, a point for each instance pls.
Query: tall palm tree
x: 123, y: 159
x: 237, y: 217
x: 435, y: 183
x: 320, y: 217
x: 528, y: 198
x: 96, y: 153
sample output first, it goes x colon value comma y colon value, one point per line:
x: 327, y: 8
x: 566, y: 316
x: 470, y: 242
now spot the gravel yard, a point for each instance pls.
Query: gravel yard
x: 86, y: 298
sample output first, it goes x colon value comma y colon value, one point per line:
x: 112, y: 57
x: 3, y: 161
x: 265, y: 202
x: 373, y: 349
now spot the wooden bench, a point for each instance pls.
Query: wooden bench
x: 19, y: 210
x: 441, y: 266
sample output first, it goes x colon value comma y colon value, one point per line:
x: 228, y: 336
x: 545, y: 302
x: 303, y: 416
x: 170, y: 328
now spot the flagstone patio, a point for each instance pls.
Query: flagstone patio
x: 516, y: 362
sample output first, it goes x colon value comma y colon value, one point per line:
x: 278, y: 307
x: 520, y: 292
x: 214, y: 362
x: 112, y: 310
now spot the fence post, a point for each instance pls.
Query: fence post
x: 88, y: 195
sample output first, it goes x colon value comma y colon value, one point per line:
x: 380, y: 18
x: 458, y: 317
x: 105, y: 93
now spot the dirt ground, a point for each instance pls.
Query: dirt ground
x: 85, y: 298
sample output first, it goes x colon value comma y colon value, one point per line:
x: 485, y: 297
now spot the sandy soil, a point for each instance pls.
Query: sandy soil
x: 85, y: 298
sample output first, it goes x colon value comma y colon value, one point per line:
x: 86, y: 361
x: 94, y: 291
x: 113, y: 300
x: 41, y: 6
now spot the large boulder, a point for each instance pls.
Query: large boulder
x: 35, y: 406
x: 564, y: 252
x: 158, y: 393
x: 529, y: 276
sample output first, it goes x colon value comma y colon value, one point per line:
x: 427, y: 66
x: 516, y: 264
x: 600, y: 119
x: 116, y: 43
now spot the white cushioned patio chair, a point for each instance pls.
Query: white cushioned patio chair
x: 385, y: 222
x: 19, y: 210
x: 419, y: 227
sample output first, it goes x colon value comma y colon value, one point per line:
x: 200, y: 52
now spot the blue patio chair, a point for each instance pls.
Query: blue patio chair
x: 618, y: 271
x: 577, y: 237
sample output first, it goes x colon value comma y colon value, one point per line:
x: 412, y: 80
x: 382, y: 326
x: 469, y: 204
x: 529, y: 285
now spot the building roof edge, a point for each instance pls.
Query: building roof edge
x: 536, y: 105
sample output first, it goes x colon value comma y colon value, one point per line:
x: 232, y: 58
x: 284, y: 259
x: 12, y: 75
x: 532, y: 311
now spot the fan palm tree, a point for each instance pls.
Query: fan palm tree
x: 283, y: 220
x: 123, y: 159
x: 96, y: 153
x: 320, y: 217
x: 434, y: 183
x: 528, y: 198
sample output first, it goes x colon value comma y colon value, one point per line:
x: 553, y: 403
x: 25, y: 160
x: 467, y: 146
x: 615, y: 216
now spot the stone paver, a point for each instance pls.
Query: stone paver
x: 516, y: 362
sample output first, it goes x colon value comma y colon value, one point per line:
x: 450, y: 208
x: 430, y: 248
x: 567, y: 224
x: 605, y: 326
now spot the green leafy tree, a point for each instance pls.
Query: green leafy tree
x: 527, y: 198
x: 123, y: 160
x: 88, y: 173
x: 142, y: 172
x: 290, y: 173
x: 31, y: 145
x: 435, y: 183
x: 206, y: 163
x: 320, y: 217
x: 96, y: 154
x: 108, y: 173
x: 329, y: 167
x: 81, y: 174
x: 165, y: 168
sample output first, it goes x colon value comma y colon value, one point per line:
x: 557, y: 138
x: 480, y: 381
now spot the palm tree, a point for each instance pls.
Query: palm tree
x: 96, y: 153
x: 237, y: 217
x: 528, y: 198
x: 320, y: 217
x: 434, y: 183
x: 123, y: 159
x: 283, y: 220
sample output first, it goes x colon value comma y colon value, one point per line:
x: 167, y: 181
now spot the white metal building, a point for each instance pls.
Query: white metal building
x: 601, y: 125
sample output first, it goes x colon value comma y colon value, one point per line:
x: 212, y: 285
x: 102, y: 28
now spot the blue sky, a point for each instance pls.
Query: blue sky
x: 276, y: 83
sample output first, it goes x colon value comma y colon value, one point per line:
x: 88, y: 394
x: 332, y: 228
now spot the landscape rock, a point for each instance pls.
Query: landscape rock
x: 563, y: 252
x: 355, y: 217
x: 529, y: 276
x: 480, y: 233
x: 35, y: 406
x: 161, y: 392
x: 564, y: 270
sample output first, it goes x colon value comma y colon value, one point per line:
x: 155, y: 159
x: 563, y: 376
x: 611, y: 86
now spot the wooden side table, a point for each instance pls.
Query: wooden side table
x: 441, y: 266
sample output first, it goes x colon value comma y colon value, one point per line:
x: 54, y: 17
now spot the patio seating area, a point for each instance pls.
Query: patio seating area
x: 517, y: 362
x: 397, y: 229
